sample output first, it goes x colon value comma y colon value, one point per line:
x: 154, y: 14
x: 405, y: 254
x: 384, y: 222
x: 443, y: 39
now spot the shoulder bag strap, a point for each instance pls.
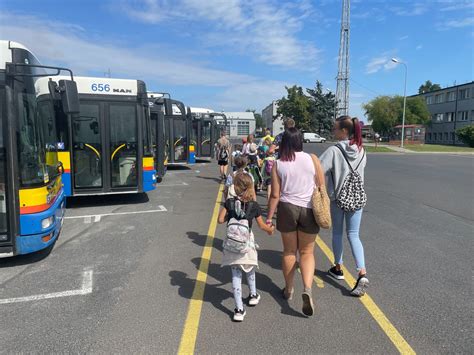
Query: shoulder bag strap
x: 360, y: 162
x: 318, y: 173
x: 344, y: 154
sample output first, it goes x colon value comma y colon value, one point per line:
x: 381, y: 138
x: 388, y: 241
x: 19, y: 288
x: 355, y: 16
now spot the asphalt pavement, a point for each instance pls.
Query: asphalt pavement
x: 122, y: 276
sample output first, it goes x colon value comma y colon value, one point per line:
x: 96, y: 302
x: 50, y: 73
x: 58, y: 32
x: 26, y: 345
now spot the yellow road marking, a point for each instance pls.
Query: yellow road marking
x: 191, y: 325
x: 382, y: 320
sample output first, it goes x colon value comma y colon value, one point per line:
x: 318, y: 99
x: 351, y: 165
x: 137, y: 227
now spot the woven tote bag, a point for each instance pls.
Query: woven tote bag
x: 320, y: 200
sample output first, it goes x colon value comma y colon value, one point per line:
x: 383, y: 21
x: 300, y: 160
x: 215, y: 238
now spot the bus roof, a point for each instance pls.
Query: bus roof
x: 6, y: 53
x: 94, y: 86
x: 201, y: 110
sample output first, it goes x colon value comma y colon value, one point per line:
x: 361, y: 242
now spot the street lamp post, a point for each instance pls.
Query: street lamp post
x: 395, y: 60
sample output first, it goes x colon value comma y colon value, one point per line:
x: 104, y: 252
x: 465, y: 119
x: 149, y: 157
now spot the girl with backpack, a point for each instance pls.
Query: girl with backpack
x: 267, y: 167
x: 239, y: 248
x: 344, y: 166
x: 240, y: 167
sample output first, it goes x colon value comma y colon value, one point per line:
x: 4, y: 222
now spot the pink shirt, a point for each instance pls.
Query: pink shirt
x: 297, y: 180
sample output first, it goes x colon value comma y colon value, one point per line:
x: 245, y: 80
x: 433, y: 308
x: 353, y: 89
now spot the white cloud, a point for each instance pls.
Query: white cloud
x: 451, y: 24
x: 458, y: 5
x: 402, y: 38
x: 66, y: 45
x: 383, y: 62
x: 418, y: 47
x: 261, y: 29
x: 415, y: 9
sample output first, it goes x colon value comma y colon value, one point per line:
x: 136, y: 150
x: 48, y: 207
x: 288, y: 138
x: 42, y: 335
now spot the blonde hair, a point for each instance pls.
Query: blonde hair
x: 243, y: 186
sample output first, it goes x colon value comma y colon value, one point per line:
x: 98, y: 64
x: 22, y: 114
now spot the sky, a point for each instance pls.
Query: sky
x: 233, y: 55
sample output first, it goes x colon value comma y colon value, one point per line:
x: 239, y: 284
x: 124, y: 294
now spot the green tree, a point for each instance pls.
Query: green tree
x: 466, y: 135
x: 258, y: 119
x: 385, y: 112
x: 296, y: 105
x: 428, y: 86
x: 321, y: 109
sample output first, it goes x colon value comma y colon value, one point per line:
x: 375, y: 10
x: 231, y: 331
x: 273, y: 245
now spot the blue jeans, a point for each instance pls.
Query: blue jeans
x: 237, y: 284
x: 353, y: 220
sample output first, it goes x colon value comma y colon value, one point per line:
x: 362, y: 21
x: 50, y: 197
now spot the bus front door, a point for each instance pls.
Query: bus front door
x: 206, y: 134
x: 105, y: 149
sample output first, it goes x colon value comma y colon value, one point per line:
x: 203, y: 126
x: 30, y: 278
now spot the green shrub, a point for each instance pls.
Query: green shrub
x: 466, y: 135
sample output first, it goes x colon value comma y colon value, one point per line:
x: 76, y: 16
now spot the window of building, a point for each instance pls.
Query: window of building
x: 453, y: 136
x: 439, y: 98
x: 464, y: 94
x: 451, y: 96
x: 449, y: 116
x: 429, y: 137
x: 463, y: 115
x: 438, y: 117
x: 446, y: 136
x: 429, y: 100
x: 243, y: 128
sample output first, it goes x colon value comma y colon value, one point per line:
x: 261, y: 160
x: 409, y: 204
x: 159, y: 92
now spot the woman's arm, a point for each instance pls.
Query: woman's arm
x: 265, y: 227
x: 222, y: 214
x: 275, y: 195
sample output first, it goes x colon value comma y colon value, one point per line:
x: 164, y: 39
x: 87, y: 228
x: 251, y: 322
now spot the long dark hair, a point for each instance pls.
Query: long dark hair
x: 291, y: 142
x: 353, y: 127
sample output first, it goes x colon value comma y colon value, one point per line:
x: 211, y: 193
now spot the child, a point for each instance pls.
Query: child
x: 236, y: 153
x: 243, y: 210
x: 267, y: 167
x: 240, y: 166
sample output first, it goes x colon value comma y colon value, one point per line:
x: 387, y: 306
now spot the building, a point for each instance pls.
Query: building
x: 367, y: 132
x: 239, y: 124
x: 270, y: 113
x: 451, y: 108
x: 414, y: 133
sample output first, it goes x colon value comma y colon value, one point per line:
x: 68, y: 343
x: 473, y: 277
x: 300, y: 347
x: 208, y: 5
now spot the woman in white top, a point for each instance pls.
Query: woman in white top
x: 293, y: 179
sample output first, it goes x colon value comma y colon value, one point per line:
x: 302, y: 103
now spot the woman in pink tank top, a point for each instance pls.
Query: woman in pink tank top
x: 292, y: 188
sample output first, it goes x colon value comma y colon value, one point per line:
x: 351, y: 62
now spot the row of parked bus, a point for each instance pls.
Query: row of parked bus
x: 63, y: 136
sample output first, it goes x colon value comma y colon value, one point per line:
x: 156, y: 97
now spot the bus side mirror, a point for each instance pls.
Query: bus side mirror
x: 69, y: 96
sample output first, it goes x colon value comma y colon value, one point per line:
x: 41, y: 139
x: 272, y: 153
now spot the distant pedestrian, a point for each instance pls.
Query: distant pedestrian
x: 223, y: 154
x: 250, y: 150
x: 344, y: 165
x: 293, y: 180
x: 240, y: 252
x: 287, y: 123
x: 267, y: 167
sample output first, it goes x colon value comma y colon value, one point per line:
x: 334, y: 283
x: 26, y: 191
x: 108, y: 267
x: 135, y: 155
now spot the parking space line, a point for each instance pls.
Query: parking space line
x: 84, y: 290
x: 172, y: 185
x: 97, y: 217
x: 388, y: 328
x: 191, y: 324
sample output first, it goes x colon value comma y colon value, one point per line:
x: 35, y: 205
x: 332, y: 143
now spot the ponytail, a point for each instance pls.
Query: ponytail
x: 354, y: 129
x: 356, y: 133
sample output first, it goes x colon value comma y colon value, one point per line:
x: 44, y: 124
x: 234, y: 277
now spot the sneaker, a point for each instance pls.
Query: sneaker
x: 239, y: 315
x: 287, y: 295
x: 308, y: 306
x: 361, y: 286
x: 254, y: 299
x: 337, y: 274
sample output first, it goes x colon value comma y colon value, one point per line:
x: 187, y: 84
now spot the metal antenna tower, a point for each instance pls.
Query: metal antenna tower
x: 342, y: 88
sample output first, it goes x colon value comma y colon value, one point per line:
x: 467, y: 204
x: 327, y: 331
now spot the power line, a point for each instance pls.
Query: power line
x: 364, y: 87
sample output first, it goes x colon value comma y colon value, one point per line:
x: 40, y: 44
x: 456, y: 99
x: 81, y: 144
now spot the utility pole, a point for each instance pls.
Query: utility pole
x: 342, y: 88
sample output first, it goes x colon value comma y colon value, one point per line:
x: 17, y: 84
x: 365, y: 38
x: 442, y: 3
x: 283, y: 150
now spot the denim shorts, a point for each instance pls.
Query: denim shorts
x: 291, y: 218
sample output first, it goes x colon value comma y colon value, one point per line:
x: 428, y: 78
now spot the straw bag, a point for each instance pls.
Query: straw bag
x: 320, y: 199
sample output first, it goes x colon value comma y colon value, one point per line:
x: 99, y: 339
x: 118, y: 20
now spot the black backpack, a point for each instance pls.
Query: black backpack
x: 352, y: 196
x: 223, y: 153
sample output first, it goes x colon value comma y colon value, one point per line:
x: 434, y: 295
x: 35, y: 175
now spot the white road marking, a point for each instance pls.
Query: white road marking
x: 97, y: 217
x: 169, y: 185
x: 86, y: 289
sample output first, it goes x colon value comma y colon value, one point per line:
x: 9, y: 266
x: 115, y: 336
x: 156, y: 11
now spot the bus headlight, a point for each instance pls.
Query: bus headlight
x: 47, y: 222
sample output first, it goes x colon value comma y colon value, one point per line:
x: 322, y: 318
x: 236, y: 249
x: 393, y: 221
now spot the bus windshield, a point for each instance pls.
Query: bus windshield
x: 36, y: 129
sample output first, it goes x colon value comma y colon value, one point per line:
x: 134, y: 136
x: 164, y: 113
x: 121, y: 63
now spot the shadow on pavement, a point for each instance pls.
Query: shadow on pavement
x: 178, y: 168
x: 323, y: 275
x: 27, y: 258
x: 200, y: 239
x: 106, y: 200
x: 210, y: 178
